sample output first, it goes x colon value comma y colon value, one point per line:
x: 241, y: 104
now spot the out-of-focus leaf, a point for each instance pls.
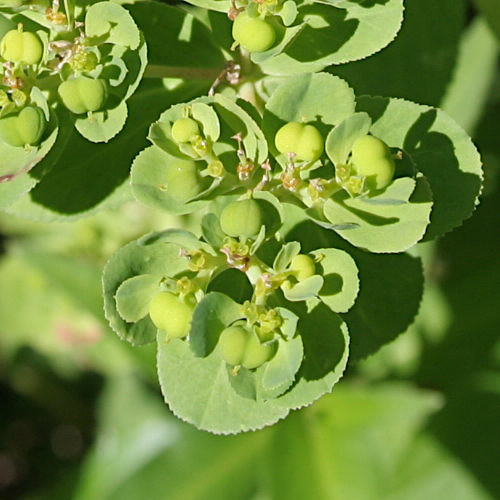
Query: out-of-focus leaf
x: 475, y: 70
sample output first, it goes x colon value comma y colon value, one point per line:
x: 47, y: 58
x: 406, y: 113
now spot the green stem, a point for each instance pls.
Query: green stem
x: 69, y: 14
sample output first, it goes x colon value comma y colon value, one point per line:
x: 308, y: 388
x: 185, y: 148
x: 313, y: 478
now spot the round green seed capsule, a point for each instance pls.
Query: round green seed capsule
x: 253, y: 33
x: 302, y: 266
x: 184, y: 129
x: 171, y: 314
x: 83, y: 94
x: 232, y: 343
x: 184, y: 181
x: 21, y: 47
x: 242, y: 218
x: 303, y: 140
x: 256, y: 353
x: 24, y: 128
x: 372, y: 158
x: 240, y: 346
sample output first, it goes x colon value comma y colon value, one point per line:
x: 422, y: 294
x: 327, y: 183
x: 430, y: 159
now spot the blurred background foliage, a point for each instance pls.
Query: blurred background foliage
x: 81, y: 413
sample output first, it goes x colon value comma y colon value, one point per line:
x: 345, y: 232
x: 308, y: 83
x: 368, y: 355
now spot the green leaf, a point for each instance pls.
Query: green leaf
x: 148, y: 255
x: 280, y: 371
x: 358, y: 428
x: 290, y: 320
x: 212, y: 231
x: 124, y: 69
x: 148, y: 179
x: 113, y: 22
x: 287, y: 252
x: 239, y: 121
x: 339, y: 142
x: 304, y: 289
x: 186, y: 240
x: 346, y: 31
x: 325, y: 356
x: 208, y: 118
x: 340, y: 275
x: 473, y: 75
x: 134, y: 295
x: 439, y: 148
x: 208, y: 399
x: 388, y: 300
x: 102, y: 126
x: 12, y: 188
x: 390, y: 287
x: 212, y: 315
x: 389, y: 222
x: 152, y: 445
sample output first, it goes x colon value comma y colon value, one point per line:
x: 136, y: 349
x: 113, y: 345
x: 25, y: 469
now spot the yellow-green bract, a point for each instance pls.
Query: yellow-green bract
x: 21, y: 47
x: 171, y: 314
x: 371, y: 158
x: 24, y: 128
x: 253, y: 33
x: 303, y: 140
x: 83, y: 94
x: 241, y: 347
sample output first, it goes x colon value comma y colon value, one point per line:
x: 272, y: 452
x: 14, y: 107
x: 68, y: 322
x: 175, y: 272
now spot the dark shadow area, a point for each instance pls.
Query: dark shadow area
x: 324, y: 344
x: 464, y: 363
x: 454, y: 191
x: 389, y: 296
x: 419, y: 63
x: 468, y: 427
x: 311, y: 43
x: 233, y: 283
x: 84, y: 176
x: 434, y: 154
x: 332, y: 285
x: 169, y: 43
x: 368, y: 217
x: 47, y: 425
x: 370, y: 3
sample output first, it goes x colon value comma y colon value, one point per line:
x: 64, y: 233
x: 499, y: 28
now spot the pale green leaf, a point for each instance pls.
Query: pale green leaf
x: 113, y: 22
x: 134, y: 295
x: 148, y: 255
x: 392, y: 221
x: 212, y: 315
x: 340, y: 275
x: 439, y: 148
x: 101, y: 126
x: 339, y: 141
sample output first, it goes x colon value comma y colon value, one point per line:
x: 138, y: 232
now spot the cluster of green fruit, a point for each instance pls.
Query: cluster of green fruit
x: 68, y: 62
x: 250, y: 340
x: 370, y: 159
x: 20, y: 124
x: 206, y: 155
x: 23, y: 123
x: 239, y: 344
